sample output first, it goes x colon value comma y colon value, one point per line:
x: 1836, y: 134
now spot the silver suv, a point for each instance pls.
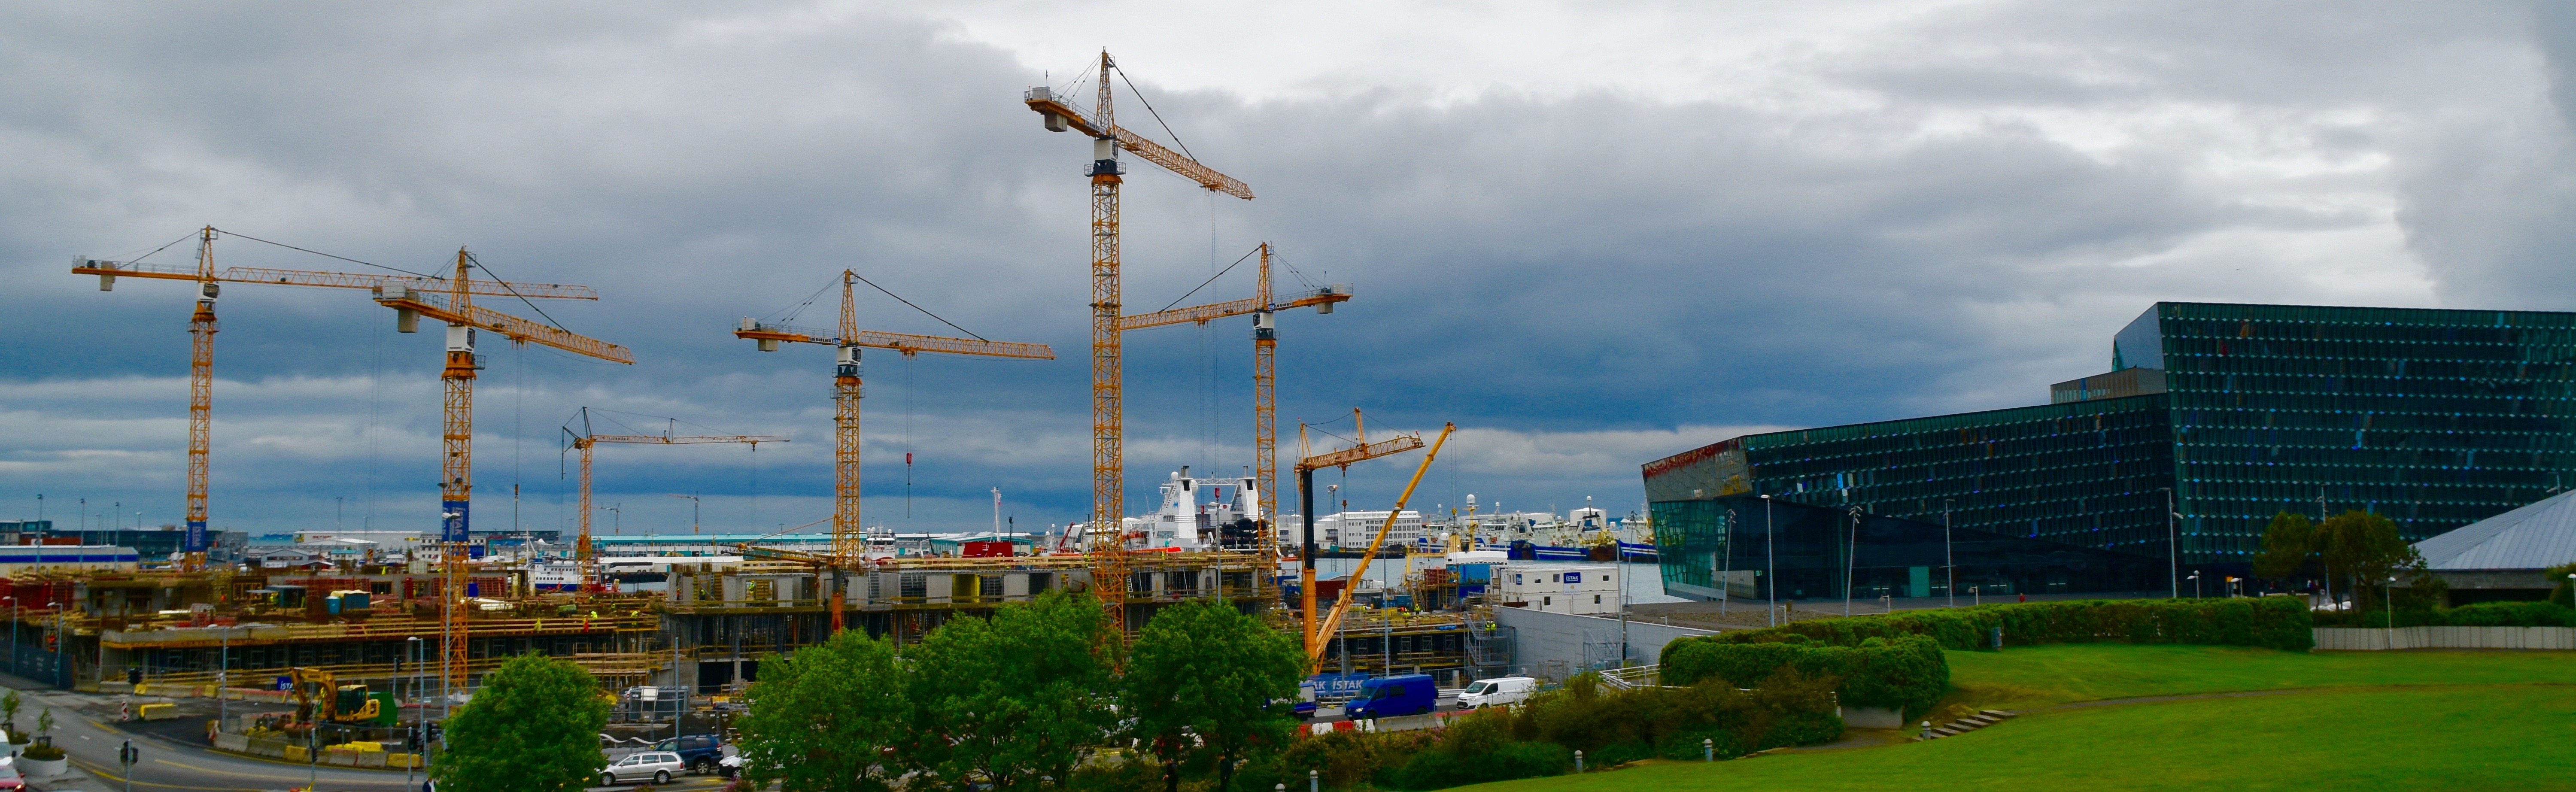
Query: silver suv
x: 656, y: 766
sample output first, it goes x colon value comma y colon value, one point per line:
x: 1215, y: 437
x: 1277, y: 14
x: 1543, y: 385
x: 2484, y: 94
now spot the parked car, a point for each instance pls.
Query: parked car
x: 700, y: 752
x: 9, y: 778
x: 1386, y: 697
x: 1305, y: 706
x: 729, y: 766
x: 1497, y: 692
x: 655, y: 766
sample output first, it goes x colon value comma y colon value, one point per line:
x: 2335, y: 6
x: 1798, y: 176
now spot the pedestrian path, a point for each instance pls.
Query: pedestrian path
x: 1980, y: 720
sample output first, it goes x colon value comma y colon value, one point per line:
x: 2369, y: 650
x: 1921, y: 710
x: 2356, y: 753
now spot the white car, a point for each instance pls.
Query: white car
x: 1497, y: 692
x: 656, y: 766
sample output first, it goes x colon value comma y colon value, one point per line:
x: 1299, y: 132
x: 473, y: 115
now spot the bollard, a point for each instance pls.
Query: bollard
x: 1578, y: 761
x: 1282, y: 788
x: 1927, y: 730
x: 1314, y: 781
x: 1709, y: 745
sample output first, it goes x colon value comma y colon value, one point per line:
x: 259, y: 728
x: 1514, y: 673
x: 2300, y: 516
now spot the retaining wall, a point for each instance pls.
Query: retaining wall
x: 2365, y: 639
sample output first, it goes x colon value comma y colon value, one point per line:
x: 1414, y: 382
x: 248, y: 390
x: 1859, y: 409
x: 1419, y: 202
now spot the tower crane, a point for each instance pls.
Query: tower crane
x: 583, y: 440
x: 455, y: 306
x: 1344, y: 458
x: 849, y: 539
x: 1265, y: 377
x: 1108, y: 472
x: 202, y: 328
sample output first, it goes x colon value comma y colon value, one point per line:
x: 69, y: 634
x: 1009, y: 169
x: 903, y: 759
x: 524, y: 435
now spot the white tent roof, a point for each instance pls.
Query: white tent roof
x: 2537, y: 536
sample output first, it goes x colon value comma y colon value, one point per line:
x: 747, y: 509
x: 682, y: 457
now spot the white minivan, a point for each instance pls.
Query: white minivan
x: 1496, y: 692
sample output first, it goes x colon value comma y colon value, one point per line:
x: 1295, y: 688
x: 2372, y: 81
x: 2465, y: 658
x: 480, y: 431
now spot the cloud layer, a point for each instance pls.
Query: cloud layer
x: 1675, y: 223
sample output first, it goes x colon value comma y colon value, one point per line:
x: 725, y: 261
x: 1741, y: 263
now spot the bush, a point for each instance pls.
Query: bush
x: 2274, y: 622
x: 1345, y: 759
x: 1441, y: 769
x: 1908, y: 673
x: 1789, y: 707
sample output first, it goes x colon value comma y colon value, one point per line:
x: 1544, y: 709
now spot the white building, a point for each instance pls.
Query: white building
x: 1556, y: 588
x: 1352, y: 530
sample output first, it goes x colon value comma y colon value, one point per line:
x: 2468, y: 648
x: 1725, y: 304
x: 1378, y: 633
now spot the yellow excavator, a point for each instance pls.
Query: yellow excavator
x: 318, y: 699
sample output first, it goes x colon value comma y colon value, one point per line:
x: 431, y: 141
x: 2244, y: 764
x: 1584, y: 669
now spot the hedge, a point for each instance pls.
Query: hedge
x: 2274, y: 622
x: 2484, y: 614
x: 1907, y: 673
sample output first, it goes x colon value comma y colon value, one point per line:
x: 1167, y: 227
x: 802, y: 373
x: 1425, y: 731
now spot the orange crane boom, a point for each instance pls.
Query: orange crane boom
x: 202, y: 328
x: 456, y: 462
x: 1314, y: 632
x: 849, y: 537
x: 583, y: 555
x: 1265, y: 379
x: 1108, y: 442
x: 1306, y: 466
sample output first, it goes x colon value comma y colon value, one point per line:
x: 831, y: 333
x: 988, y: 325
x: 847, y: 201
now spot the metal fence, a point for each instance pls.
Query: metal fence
x: 2363, y: 639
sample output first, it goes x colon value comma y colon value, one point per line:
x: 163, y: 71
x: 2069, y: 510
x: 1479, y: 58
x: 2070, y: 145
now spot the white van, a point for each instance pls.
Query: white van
x: 1497, y: 692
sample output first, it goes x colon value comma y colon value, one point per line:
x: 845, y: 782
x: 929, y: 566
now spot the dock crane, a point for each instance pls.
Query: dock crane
x: 849, y: 538
x: 455, y: 306
x: 583, y: 440
x: 202, y: 328
x: 1265, y: 377
x: 1306, y: 466
x: 1108, y: 468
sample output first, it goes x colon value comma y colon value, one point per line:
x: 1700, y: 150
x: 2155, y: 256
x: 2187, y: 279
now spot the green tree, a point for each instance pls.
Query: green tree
x: 824, y: 718
x: 2364, y: 550
x: 2560, y: 591
x: 533, y: 727
x: 1012, y: 699
x: 1203, y: 678
x: 2289, y: 543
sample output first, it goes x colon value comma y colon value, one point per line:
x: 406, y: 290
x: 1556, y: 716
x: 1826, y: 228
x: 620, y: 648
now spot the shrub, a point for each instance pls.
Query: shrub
x: 1908, y: 673
x: 1345, y: 759
x: 2274, y: 622
x: 1788, y: 707
x: 1441, y: 769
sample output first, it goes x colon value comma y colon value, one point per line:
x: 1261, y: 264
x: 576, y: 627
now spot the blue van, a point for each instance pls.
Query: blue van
x: 1387, y: 697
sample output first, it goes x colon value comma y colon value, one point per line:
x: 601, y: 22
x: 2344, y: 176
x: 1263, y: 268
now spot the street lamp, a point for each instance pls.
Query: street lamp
x: 1771, y: 560
x: 1851, y: 560
x: 2195, y: 584
x: 2173, y: 543
x: 1948, y: 560
x: 1726, y: 567
x: 2388, y: 599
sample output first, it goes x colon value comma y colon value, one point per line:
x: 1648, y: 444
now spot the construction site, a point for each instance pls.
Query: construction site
x: 422, y: 623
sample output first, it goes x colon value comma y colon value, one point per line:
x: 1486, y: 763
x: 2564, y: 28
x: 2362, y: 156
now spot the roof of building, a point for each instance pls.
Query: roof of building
x: 2537, y: 536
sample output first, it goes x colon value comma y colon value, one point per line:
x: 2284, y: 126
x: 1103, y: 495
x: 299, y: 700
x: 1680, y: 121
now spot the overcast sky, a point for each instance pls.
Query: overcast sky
x: 1590, y: 234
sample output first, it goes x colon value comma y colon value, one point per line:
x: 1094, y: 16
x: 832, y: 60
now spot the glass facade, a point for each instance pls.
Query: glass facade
x: 2434, y: 418
x: 1813, y: 550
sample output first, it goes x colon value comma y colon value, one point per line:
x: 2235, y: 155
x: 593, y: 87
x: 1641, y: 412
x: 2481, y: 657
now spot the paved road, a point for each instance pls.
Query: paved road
x: 174, y: 759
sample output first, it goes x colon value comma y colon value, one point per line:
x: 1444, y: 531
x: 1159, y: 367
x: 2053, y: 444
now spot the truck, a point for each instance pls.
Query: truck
x: 1386, y: 697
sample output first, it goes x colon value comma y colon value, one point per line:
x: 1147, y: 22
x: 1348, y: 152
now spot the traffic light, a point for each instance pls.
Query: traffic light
x: 133, y: 676
x: 128, y: 755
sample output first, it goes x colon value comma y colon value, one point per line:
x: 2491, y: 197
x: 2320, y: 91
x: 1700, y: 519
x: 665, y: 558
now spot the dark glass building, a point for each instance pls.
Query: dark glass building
x: 2435, y: 418
x: 1753, y: 544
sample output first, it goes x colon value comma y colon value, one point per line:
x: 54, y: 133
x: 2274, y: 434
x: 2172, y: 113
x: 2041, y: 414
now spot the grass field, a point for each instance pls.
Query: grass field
x: 2339, y: 720
x: 2044, y: 675
x: 2519, y: 737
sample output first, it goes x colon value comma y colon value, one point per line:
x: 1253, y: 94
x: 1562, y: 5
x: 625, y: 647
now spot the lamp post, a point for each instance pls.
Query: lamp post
x: 2195, y: 584
x: 2173, y: 543
x: 1949, y: 560
x: 1771, y: 560
x: 1726, y: 568
x: 1851, y: 559
x: 2388, y: 599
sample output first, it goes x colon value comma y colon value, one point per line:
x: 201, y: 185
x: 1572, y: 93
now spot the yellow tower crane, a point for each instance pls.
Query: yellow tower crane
x: 454, y: 305
x: 1262, y: 307
x: 201, y: 330
x: 583, y: 555
x: 1108, y: 472
x: 849, y: 537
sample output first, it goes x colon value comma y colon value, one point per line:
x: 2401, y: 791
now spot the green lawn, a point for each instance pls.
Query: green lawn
x: 2044, y: 675
x: 2462, y: 737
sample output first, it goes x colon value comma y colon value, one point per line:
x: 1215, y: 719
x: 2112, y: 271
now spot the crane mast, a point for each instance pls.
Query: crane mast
x: 1264, y: 309
x: 1106, y: 535
x: 201, y: 342
x: 849, y: 537
x: 584, y: 555
x: 464, y: 320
